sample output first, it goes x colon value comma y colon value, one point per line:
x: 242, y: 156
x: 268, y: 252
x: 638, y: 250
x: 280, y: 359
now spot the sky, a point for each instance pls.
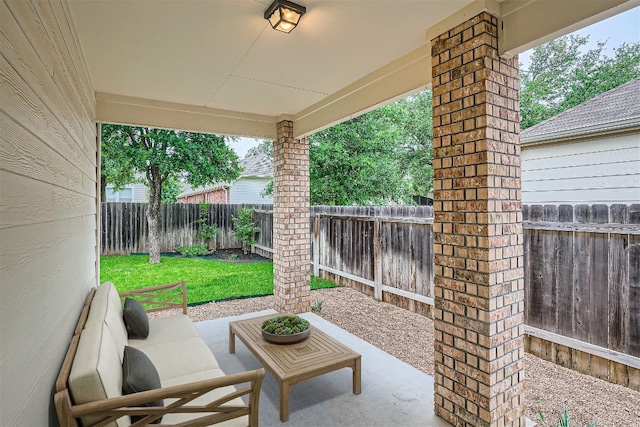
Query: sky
x: 624, y: 27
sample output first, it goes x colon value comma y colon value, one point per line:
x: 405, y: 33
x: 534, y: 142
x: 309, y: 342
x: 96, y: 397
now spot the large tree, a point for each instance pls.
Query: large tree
x: 160, y: 156
x: 563, y: 74
x: 357, y: 162
x: 379, y: 157
x: 414, y: 116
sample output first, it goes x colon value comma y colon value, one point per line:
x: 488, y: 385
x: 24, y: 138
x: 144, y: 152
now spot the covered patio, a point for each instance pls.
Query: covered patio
x: 394, y: 393
x: 218, y: 67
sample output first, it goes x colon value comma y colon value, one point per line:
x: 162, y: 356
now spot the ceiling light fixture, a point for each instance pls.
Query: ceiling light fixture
x: 284, y: 15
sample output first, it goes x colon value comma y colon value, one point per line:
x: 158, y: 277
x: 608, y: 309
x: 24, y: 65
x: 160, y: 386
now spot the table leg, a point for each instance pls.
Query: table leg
x: 284, y: 401
x: 232, y: 341
x: 357, y: 383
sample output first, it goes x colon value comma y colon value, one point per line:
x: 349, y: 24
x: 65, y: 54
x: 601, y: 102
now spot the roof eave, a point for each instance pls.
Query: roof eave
x: 602, y: 129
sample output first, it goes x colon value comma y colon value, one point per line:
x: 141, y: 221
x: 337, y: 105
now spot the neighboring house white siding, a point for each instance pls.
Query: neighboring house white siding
x: 589, y: 154
x: 47, y: 206
x: 247, y: 190
x: 136, y: 193
x: 604, y: 170
x: 257, y: 174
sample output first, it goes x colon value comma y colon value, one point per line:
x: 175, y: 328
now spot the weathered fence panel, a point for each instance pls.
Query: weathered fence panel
x: 580, y: 273
x: 263, y: 218
x: 383, y: 251
x: 124, y: 226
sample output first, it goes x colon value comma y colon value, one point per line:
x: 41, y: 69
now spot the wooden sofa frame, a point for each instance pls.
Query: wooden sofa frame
x: 161, y: 297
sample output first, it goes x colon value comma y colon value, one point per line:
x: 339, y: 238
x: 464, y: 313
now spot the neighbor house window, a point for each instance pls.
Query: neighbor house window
x: 124, y: 195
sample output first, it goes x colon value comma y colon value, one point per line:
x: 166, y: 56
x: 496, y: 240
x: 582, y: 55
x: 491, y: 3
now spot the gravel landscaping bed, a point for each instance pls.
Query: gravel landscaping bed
x: 409, y: 337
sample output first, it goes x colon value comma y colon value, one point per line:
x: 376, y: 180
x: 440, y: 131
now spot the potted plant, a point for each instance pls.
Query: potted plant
x: 285, y: 329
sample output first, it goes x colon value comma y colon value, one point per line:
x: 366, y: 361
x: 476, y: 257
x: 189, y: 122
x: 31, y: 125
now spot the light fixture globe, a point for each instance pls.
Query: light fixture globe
x: 284, y: 15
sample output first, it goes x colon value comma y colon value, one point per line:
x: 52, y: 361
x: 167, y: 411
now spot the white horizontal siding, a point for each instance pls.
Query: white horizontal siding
x: 139, y: 193
x: 47, y: 202
x: 603, y: 170
x: 247, y: 190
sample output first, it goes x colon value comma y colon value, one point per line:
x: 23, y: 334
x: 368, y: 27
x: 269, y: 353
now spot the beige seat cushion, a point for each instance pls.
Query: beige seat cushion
x: 97, y: 371
x: 179, y: 358
x: 202, y: 400
x: 107, y: 307
x: 166, y: 329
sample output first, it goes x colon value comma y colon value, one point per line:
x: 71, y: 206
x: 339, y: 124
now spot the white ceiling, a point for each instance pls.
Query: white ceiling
x: 224, y: 56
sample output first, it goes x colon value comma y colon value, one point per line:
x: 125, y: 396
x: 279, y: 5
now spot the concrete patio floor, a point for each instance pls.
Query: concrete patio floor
x: 394, y: 393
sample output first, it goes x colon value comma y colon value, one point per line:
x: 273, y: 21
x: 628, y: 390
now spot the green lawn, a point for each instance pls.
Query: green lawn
x: 207, y: 280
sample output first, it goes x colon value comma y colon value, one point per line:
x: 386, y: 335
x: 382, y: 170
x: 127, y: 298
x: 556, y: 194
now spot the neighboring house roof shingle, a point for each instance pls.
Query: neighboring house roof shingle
x: 613, y: 110
x: 258, y: 165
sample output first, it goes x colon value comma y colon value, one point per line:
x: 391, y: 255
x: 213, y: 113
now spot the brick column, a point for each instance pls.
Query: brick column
x: 479, y: 285
x: 291, y: 229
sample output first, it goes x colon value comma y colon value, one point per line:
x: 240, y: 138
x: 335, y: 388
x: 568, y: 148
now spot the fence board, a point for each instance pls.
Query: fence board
x: 534, y: 305
x: 582, y: 274
x: 618, y: 293
x: 634, y: 296
x: 549, y: 285
x: 564, y: 283
x: 599, y: 298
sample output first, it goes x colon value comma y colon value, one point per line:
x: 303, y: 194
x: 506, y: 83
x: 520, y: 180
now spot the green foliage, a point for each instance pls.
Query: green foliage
x: 416, y: 150
x: 380, y: 157
x: 160, y: 155
x: 206, y: 231
x: 357, y: 162
x: 244, y: 229
x: 318, y: 283
x: 171, y: 188
x: 563, y: 420
x: 193, y: 250
x: 285, y: 325
x: 207, y: 279
x: 316, y: 306
x: 268, y: 189
x: 264, y: 147
x: 563, y: 74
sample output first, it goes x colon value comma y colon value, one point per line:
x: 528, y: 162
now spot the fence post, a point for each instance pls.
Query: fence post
x: 316, y: 245
x: 377, y: 257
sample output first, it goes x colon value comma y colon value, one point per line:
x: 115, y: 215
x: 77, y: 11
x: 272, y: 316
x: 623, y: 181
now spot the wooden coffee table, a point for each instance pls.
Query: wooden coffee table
x: 292, y: 363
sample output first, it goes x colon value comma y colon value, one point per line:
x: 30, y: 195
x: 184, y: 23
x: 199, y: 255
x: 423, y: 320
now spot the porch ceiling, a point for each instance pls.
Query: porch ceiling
x: 217, y: 66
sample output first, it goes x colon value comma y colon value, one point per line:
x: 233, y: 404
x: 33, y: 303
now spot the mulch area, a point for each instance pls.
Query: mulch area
x: 237, y: 255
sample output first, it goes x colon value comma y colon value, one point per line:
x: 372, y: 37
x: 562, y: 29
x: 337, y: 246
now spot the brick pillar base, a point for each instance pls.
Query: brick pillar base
x: 479, y: 285
x: 291, y: 216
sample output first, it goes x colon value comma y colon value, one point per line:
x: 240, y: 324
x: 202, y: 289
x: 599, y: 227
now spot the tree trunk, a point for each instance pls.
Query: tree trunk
x: 153, y: 218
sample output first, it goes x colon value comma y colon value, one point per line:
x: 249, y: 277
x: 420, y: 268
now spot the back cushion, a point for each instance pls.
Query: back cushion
x: 97, y: 371
x: 106, y: 307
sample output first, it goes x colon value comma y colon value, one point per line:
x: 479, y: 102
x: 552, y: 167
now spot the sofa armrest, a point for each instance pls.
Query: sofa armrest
x: 161, y: 297
x: 210, y: 413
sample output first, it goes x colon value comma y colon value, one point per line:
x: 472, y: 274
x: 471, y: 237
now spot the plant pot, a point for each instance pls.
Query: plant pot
x: 286, y: 339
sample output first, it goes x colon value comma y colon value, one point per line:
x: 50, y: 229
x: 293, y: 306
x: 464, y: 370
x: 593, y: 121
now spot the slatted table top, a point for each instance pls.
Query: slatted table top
x: 292, y: 363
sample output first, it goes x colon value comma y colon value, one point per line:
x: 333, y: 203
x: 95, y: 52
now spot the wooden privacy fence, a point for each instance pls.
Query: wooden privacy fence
x: 581, y: 268
x: 124, y: 227
x: 582, y: 288
x: 385, y: 252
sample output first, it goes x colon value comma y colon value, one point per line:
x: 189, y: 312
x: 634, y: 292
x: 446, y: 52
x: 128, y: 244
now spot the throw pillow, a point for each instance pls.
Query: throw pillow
x: 135, y: 318
x: 139, y: 374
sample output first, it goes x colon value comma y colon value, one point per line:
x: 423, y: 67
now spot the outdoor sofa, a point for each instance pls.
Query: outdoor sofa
x: 104, y: 358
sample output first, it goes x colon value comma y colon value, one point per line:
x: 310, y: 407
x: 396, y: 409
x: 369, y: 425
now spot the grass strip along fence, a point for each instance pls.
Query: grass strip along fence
x: 207, y: 280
